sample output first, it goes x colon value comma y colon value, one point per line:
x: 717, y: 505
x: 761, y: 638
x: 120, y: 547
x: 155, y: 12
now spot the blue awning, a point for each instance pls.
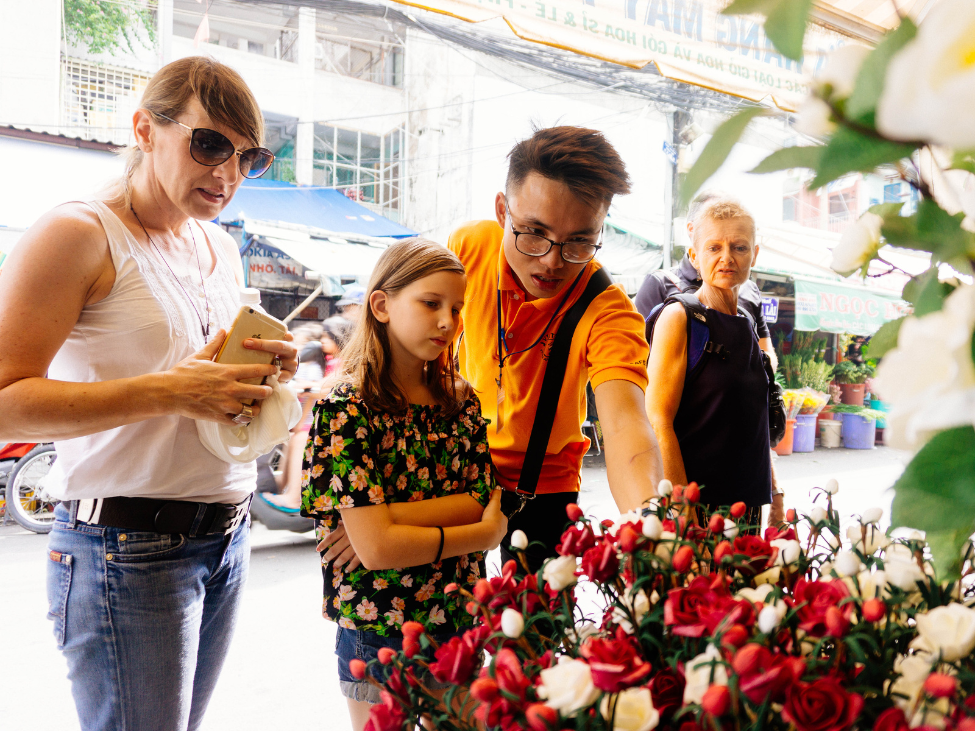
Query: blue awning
x: 320, y: 208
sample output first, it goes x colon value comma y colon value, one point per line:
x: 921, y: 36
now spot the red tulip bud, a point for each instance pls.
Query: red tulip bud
x: 484, y: 690
x: 722, y: 551
x: 541, y: 717
x: 738, y: 510
x: 939, y: 685
x: 386, y: 655
x: 716, y: 524
x: 836, y: 622
x: 412, y: 630
x: 451, y: 588
x: 716, y: 700
x: 790, y: 515
x: 607, y: 523
x: 472, y: 608
x: 966, y: 724
x: 628, y: 537
x: 682, y: 559
x: 692, y: 493
x: 735, y: 636
x: 747, y: 659
x: 573, y: 511
x: 410, y: 647
x: 874, y: 610
x: 482, y: 591
x: 357, y: 668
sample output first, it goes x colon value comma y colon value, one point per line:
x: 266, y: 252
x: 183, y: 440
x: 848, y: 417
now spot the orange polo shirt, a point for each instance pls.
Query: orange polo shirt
x: 608, y: 345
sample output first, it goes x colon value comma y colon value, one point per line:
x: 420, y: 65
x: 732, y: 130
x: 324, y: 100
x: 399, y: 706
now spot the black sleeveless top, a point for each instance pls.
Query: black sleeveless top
x: 722, y: 421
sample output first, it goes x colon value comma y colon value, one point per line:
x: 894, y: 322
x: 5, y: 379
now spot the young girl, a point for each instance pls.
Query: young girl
x: 398, y: 454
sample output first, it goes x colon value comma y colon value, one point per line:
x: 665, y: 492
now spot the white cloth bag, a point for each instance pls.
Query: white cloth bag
x: 279, y: 414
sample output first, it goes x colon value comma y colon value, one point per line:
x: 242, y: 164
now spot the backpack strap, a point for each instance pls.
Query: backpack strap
x: 548, y: 397
x: 682, y: 286
x: 699, y: 343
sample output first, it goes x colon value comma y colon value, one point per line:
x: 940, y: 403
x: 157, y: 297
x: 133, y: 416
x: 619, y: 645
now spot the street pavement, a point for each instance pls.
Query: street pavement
x: 281, y: 671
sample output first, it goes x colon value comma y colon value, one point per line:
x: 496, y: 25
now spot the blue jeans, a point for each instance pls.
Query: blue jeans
x: 354, y: 643
x: 144, y: 620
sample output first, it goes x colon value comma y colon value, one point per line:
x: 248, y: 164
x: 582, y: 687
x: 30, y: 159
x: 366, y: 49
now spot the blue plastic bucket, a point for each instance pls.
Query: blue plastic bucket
x: 804, y: 439
x: 879, y: 405
x: 858, y: 432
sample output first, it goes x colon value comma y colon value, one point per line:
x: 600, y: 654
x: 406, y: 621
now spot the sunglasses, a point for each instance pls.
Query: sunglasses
x: 209, y: 147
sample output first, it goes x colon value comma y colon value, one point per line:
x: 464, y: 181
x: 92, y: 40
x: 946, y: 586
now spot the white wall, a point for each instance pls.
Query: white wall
x: 44, y: 176
x: 30, y: 63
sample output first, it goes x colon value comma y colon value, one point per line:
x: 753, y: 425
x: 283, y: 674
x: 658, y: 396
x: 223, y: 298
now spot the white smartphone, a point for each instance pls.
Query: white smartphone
x: 250, y: 324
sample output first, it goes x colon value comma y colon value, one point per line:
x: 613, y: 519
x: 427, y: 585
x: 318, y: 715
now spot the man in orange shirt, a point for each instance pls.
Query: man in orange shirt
x: 525, y: 270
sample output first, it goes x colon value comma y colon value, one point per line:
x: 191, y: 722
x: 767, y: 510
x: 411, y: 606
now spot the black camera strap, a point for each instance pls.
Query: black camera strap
x: 548, y: 397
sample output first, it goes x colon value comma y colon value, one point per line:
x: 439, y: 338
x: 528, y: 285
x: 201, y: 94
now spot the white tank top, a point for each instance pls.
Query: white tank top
x: 145, y: 325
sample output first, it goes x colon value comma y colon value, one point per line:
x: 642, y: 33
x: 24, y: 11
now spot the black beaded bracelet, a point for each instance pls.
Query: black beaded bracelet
x: 439, y: 550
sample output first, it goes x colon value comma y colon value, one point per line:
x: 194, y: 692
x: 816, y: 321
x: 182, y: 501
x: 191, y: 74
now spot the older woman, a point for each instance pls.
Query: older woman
x: 711, y: 416
x: 111, y: 312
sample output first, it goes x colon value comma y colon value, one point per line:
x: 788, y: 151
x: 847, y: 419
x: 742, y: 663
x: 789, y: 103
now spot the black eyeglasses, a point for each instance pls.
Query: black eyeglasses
x: 573, y: 252
x: 209, y: 147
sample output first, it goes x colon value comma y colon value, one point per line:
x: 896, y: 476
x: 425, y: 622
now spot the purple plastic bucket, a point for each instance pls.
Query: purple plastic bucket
x: 804, y: 439
x: 858, y: 432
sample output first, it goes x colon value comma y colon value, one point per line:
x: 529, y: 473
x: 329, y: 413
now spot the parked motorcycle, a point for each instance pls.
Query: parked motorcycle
x: 273, y: 516
x: 23, y: 468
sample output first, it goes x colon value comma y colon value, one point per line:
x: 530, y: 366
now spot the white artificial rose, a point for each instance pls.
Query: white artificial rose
x: 789, y: 551
x: 665, y: 487
x: 832, y: 486
x: 512, y: 623
x: 832, y: 540
x: 580, y: 632
x: 929, y: 91
x: 929, y: 378
x: 634, y: 517
x: 666, y: 546
x: 813, y: 118
x: 873, y: 585
x: 948, y: 630
x: 769, y: 576
x: 698, y: 674
x: 768, y: 619
x: 756, y: 595
x: 872, y: 515
x: 818, y: 515
x: 846, y: 563
x: 912, y: 671
x: 519, y: 540
x: 638, y: 605
x: 905, y: 575
x: 560, y: 573
x: 842, y: 68
x: 632, y: 711
x: 730, y: 529
x: 858, y: 244
x: 653, y: 528
x: 876, y: 539
x: 567, y: 687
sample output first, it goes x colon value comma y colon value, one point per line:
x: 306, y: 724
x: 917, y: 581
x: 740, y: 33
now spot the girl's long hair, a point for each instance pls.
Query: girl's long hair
x: 367, y: 358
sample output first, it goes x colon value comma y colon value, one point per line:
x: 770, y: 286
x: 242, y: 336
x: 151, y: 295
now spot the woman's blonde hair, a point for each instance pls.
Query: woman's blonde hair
x: 718, y: 207
x: 367, y: 358
x: 222, y: 92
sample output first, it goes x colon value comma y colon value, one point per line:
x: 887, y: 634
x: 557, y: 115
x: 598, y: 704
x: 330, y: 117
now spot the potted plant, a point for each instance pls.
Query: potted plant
x: 851, y: 378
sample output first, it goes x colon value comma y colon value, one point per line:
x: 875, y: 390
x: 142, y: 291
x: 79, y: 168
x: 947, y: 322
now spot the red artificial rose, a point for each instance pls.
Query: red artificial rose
x: 822, y: 705
x: 667, y: 691
x: 357, y: 668
x: 386, y: 716
x: 704, y: 606
x: 773, y: 533
x: 386, y: 655
x: 682, y: 560
x: 874, y: 610
x: 759, y: 553
x: 735, y: 636
x: 738, y: 510
x: 716, y: 700
x: 814, y: 598
x: 893, y: 719
x: 573, y: 511
x: 541, y: 717
x: 938, y: 685
x: 722, y: 551
x: 485, y: 690
x: 615, y: 663
x: 509, y: 675
x: 576, y: 540
x: 763, y: 674
x: 456, y: 659
x: 716, y: 524
x: 629, y: 537
x: 412, y: 630
x: 600, y: 563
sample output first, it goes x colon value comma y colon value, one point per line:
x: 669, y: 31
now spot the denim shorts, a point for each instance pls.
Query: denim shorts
x: 353, y: 643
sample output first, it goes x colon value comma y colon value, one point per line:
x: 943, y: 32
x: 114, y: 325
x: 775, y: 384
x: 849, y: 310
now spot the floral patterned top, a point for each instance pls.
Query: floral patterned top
x: 356, y: 457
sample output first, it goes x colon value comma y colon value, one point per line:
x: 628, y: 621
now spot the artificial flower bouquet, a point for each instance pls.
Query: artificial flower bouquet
x: 792, y: 401
x: 701, y: 627
x: 813, y: 401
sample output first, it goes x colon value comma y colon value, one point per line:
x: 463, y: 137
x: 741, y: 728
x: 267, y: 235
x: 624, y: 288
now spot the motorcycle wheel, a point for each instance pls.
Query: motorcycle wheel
x: 27, y: 501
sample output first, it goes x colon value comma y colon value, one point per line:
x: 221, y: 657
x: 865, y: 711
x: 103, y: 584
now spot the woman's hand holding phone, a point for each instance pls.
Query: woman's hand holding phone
x: 283, y: 349
x: 199, y: 388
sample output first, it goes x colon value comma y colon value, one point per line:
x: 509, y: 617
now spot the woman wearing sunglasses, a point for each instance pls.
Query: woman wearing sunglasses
x: 111, y: 311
